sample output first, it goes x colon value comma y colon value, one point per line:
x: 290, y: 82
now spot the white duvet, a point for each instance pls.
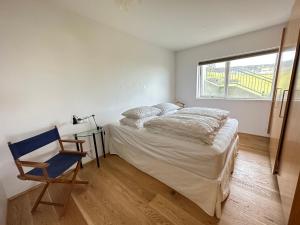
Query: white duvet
x: 218, y: 114
x: 193, y: 126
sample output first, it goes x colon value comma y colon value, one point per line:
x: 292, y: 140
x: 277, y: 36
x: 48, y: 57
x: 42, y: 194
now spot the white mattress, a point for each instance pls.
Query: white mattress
x: 195, y: 157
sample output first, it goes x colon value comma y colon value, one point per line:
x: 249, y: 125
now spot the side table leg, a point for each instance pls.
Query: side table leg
x: 77, y: 147
x: 96, y: 150
x: 102, y: 141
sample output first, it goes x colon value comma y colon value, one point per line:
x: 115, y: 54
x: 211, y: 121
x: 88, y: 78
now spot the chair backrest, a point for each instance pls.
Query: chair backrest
x: 26, y: 146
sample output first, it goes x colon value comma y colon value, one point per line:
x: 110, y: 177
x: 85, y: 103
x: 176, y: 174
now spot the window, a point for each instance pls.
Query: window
x: 249, y: 76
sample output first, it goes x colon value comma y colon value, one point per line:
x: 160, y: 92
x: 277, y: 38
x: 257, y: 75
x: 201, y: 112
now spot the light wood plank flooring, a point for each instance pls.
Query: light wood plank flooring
x: 119, y: 194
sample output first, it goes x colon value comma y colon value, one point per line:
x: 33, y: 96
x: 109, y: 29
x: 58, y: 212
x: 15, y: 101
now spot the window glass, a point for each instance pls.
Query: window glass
x: 246, y: 78
x: 213, y: 80
x: 251, y: 77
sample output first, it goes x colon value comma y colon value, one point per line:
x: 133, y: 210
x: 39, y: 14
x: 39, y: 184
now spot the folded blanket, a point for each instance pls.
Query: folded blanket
x: 219, y: 114
x: 203, y: 128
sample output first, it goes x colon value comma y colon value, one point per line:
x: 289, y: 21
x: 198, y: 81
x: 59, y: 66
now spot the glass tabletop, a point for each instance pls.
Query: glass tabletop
x: 89, y: 132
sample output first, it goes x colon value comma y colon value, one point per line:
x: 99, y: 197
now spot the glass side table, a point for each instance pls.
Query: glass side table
x: 92, y: 133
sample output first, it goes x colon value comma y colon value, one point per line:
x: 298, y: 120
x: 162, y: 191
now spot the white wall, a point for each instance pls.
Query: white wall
x: 54, y: 63
x: 252, y: 115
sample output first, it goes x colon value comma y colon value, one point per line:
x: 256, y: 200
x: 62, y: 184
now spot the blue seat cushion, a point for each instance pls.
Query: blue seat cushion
x: 58, y: 164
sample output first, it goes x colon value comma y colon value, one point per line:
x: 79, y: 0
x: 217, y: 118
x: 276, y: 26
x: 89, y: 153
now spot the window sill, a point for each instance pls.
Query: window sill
x: 234, y: 99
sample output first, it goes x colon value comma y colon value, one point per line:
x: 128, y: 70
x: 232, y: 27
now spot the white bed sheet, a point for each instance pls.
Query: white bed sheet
x: 205, y: 192
x: 193, y: 156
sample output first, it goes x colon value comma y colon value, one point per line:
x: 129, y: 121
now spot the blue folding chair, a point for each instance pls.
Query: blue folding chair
x: 50, y: 171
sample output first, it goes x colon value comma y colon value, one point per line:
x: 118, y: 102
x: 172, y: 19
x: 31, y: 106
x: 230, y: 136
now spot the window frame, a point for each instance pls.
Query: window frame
x: 227, y: 68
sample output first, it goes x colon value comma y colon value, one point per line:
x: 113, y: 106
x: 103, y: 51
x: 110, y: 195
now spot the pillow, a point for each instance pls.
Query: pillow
x: 166, y: 107
x: 141, y: 112
x: 136, y: 123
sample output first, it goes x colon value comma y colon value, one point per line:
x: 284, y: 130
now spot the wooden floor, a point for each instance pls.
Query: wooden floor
x: 120, y: 194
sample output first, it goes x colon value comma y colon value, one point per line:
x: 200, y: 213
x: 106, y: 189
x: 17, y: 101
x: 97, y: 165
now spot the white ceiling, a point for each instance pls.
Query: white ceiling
x: 180, y: 24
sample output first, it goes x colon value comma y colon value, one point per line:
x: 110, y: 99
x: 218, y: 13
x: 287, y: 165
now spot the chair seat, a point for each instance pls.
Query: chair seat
x: 58, y: 164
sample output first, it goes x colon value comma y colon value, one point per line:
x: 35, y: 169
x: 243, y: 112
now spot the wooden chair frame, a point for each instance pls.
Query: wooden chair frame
x: 45, y: 178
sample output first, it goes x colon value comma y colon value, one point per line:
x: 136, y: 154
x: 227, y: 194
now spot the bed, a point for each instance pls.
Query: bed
x: 198, y: 171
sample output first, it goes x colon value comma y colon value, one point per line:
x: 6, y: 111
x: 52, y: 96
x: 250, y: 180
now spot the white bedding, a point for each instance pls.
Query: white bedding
x: 196, y: 157
x: 199, y: 127
x: 219, y: 114
x: 198, y: 171
x: 135, y: 123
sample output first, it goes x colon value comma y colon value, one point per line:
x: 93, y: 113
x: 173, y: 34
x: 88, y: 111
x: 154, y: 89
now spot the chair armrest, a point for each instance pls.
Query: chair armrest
x: 73, y: 152
x: 72, y: 141
x: 40, y: 165
x: 80, y: 142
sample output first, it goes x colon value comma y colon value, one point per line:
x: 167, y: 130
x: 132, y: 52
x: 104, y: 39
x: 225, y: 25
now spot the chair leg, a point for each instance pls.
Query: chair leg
x: 39, y: 198
x: 73, y: 181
